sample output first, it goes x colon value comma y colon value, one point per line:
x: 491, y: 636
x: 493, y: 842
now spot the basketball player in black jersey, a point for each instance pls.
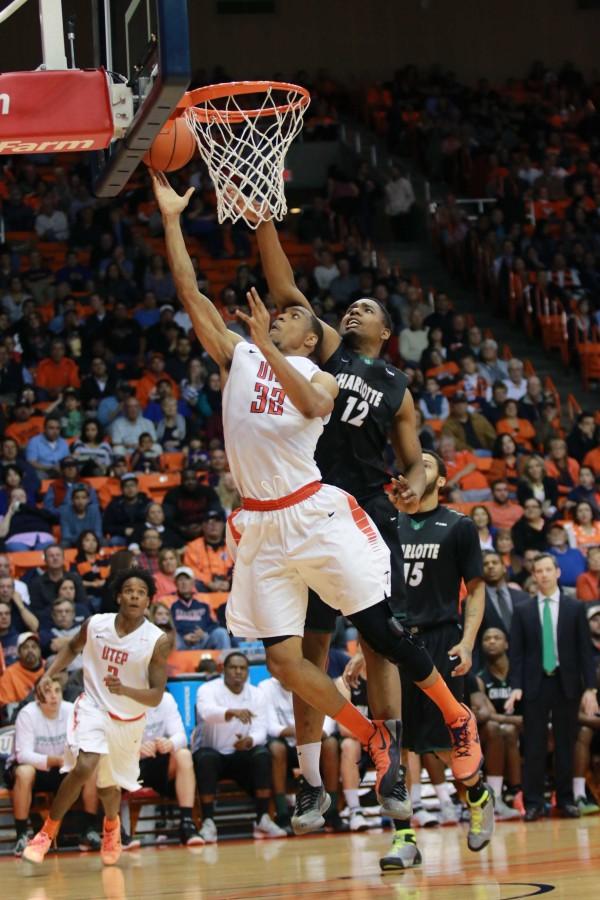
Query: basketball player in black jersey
x: 441, y: 550
x: 372, y: 407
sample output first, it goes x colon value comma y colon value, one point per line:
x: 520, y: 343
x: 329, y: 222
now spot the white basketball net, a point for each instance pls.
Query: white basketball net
x: 245, y: 159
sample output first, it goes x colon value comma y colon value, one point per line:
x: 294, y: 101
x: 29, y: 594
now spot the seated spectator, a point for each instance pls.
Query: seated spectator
x: 535, y: 483
x: 124, y: 513
x: 26, y: 423
x: 445, y: 372
x: 471, y: 431
x: 19, y: 586
x: 492, y: 368
x: 150, y: 547
x: 79, y: 516
x: 155, y: 518
x: 45, y: 451
x: 530, y: 406
x: 208, y: 555
x: 98, y: 385
x: 516, y: 383
x: 433, y: 404
x: 217, y: 466
x: 166, y: 764
x: 164, y: 579
x: 504, y: 511
x: 11, y: 376
x: 146, y: 456
x: 12, y: 478
x: 43, y: 586
x: 60, y: 492
x: 156, y: 371
x: 584, y: 437
x: 586, y: 489
x: 18, y: 680
x: 126, y: 429
x: 160, y: 615
x: 414, y: 339
x: 500, y: 734
x: 10, y: 456
x: 281, y: 730
x: 71, y: 417
x: 57, y: 372
x: 39, y: 754
x: 505, y: 548
x: 8, y: 635
x: 560, y: 466
x: 171, y: 430
x: 51, y: 224
x: 521, y: 430
x: 125, y: 340
x: 531, y: 531
x: 93, y: 453
x: 471, y: 383
x: 195, y: 628
x: 231, y: 742
x: 164, y: 390
x: 25, y: 526
x: 91, y: 568
x: 504, y: 461
x: 62, y: 627
x: 463, y: 472
x: 569, y: 560
x: 587, y: 587
x: 483, y: 522
x: 228, y: 494
x: 148, y: 313
x: 21, y: 617
x: 584, y: 530
x: 185, y: 505
x: 547, y: 427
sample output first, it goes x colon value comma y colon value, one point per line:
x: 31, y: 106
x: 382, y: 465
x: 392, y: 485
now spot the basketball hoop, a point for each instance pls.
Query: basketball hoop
x: 243, y: 131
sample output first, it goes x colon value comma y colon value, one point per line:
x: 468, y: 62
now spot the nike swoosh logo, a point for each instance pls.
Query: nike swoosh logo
x: 329, y: 515
x: 390, y: 371
x: 251, y: 351
x: 383, y: 743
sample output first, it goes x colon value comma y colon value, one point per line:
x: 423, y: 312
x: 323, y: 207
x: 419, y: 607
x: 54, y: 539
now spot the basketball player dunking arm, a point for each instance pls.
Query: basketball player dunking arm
x: 372, y: 406
x: 124, y: 672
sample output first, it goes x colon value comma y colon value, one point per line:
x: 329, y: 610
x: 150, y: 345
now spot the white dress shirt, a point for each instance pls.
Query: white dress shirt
x: 164, y: 721
x: 554, y: 601
x: 212, y: 702
x: 280, y: 711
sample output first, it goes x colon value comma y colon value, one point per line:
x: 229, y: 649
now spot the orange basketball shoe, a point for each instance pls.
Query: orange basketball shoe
x: 466, y: 756
x: 38, y: 846
x: 384, y: 749
x: 111, y: 849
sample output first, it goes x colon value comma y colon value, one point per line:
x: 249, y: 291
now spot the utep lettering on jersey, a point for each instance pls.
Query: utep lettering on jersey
x: 273, y: 395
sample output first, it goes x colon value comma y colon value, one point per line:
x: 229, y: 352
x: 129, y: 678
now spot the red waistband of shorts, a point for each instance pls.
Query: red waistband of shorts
x: 298, y: 496
x: 119, y: 719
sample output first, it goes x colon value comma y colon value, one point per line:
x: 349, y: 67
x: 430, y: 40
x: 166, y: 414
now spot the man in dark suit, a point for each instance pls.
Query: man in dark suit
x: 500, y: 601
x: 552, y: 671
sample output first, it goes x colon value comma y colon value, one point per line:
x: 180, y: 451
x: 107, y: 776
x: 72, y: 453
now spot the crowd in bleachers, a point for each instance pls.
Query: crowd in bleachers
x: 112, y: 442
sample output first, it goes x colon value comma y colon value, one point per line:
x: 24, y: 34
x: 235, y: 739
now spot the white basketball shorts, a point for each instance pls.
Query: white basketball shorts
x: 118, y: 742
x: 326, y: 542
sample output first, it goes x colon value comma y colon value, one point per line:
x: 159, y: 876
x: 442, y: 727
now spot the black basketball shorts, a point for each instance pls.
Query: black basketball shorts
x: 154, y: 773
x: 319, y: 616
x: 423, y: 727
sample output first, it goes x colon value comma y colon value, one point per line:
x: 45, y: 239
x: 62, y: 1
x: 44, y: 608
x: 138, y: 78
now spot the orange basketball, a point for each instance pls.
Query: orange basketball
x: 172, y: 148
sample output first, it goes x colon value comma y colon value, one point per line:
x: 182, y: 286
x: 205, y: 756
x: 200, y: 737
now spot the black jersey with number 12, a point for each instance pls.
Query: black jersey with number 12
x: 440, y: 549
x: 350, y: 453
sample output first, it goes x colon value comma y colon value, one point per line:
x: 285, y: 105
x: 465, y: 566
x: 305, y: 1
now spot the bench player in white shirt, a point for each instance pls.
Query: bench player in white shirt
x: 124, y: 673
x: 292, y: 532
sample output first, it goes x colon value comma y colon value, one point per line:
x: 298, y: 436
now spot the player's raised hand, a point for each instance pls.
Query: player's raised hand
x: 403, y: 497
x: 169, y: 201
x: 42, y: 688
x: 252, y: 211
x: 259, y: 320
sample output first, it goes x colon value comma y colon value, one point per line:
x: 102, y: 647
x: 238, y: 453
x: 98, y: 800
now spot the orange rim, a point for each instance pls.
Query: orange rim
x: 191, y: 99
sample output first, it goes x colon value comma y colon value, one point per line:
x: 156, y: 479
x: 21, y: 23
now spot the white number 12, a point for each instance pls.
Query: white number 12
x: 361, y: 412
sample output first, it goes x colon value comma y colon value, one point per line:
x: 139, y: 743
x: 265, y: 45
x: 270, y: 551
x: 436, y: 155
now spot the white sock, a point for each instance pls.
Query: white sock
x: 351, y: 797
x: 495, y: 782
x: 443, y: 792
x: 578, y: 787
x: 415, y: 795
x: 308, y: 758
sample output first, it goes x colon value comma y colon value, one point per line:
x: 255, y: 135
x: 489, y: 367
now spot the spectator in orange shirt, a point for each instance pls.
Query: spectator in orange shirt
x: 587, y: 586
x: 584, y: 530
x: 208, y: 555
x: 57, y: 372
x: 146, y: 386
x: 521, y: 430
x: 25, y: 425
x: 504, y: 511
x: 462, y: 471
x: 19, y: 679
x: 504, y: 461
x: 562, y: 467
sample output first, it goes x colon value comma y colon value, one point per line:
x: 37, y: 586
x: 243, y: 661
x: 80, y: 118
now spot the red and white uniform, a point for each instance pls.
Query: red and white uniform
x: 292, y: 532
x: 105, y: 723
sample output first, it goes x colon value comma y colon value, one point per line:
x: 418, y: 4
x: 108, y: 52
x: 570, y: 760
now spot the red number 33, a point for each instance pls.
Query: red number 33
x: 269, y: 400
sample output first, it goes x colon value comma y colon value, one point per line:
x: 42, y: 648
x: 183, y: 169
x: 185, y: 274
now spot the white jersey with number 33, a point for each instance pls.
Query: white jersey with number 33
x: 270, y: 445
x: 127, y: 658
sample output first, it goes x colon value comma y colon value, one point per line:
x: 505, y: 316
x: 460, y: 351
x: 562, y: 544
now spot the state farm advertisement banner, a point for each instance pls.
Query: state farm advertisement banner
x: 55, y: 111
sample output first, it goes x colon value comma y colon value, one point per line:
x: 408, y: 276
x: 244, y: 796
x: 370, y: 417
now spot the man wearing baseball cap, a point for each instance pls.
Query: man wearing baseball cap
x: 194, y: 625
x: 19, y: 679
x: 470, y: 430
x: 208, y: 555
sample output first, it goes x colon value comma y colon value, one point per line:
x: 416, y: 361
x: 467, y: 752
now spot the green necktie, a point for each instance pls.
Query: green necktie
x: 549, y: 650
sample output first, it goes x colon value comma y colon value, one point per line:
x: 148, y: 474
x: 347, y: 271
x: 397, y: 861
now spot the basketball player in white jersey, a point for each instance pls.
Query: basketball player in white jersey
x: 292, y: 532
x: 124, y: 673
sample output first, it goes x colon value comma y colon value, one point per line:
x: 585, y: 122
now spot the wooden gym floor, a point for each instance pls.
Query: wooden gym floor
x: 558, y: 857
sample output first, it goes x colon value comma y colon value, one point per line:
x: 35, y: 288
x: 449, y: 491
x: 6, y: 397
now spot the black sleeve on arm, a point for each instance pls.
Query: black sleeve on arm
x: 468, y: 550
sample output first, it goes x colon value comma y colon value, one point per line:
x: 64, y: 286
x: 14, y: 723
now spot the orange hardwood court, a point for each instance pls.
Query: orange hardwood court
x: 556, y: 857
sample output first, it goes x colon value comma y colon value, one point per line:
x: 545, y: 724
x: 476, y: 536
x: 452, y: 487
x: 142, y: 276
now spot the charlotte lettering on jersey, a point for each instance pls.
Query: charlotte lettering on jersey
x: 421, y: 551
x: 358, y: 385
x: 119, y: 657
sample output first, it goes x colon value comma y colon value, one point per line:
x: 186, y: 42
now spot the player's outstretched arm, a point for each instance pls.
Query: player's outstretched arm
x: 62, y: 660
x: 408, y: 489
x: 157, y: 678
x: 314, y: 398
x: 208, y: 324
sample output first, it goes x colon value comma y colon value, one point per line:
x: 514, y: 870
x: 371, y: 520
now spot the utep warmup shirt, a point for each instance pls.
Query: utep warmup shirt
x: 127, y: 657
x: 440, y: 548
x: 270, y: 444
x: 350, y: 452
